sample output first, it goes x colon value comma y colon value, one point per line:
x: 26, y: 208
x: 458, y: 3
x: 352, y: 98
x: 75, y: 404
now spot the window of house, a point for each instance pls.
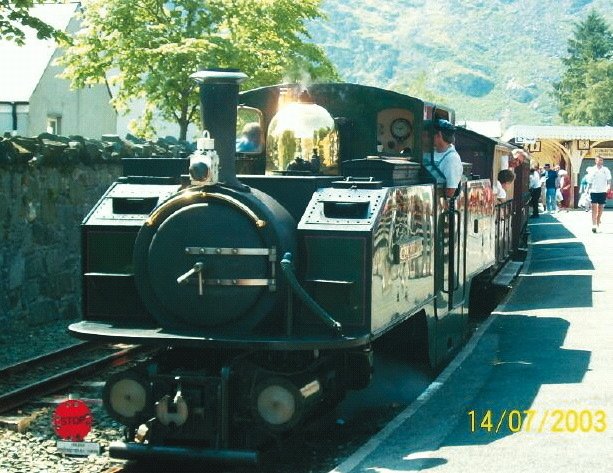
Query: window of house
x: 54, y: 125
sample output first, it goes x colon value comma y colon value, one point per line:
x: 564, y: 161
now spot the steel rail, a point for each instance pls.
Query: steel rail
x: 23, y: 365
x: 20, y: 396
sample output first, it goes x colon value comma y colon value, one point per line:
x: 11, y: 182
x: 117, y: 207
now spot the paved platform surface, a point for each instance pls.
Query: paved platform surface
x: 533, y: 390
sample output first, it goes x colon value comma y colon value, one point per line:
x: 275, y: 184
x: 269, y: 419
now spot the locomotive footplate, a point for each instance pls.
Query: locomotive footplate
x: 158, y: 336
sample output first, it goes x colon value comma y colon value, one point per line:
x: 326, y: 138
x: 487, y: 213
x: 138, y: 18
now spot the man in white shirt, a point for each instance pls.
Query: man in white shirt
x: 446, y: 157
x: 535, y: 190
x: 599, y: 181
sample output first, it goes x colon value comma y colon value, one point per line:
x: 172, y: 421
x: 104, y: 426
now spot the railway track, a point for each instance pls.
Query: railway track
x: 395, y: 384
x: 51, y: 372
x: 344, y: 430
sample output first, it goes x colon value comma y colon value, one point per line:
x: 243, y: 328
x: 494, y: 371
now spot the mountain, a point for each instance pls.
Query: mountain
x: 487, y: 59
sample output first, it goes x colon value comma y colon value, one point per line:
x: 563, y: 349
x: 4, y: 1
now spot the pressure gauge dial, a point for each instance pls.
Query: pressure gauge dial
x: 401, y: 129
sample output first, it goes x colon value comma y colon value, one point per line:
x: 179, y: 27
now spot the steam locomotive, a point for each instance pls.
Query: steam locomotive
x: 266, y: 292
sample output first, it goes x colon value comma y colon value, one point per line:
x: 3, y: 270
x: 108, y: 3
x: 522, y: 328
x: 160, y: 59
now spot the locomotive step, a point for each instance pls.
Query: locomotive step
x: 507, y: 274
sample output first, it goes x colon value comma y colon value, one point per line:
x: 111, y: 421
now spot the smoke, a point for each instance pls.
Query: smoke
x: 301, y: 77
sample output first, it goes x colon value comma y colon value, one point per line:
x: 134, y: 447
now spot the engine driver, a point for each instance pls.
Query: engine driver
x: 446, y: 157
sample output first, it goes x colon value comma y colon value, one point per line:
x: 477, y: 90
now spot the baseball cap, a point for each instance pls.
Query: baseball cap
x: 443, y: 125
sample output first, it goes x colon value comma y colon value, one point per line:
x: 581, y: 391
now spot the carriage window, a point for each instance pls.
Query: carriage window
x: 249, y: 137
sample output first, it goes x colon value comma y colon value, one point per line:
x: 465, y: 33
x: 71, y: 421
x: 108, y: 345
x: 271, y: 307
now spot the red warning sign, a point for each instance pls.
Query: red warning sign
x: 72, y: 420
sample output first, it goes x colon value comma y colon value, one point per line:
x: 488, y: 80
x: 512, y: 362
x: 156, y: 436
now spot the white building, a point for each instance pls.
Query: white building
x: 34, y: 100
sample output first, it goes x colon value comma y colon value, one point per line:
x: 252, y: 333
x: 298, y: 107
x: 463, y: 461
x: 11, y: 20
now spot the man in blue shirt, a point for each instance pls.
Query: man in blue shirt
x: 551, y: 185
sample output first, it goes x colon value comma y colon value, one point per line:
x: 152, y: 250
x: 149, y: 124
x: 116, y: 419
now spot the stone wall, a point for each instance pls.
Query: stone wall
x: 48, y: 184
x: 41, y: 208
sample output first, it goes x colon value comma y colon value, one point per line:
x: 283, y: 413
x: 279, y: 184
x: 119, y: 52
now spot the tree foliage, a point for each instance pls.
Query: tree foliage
x: 148, y: 49
x: 585, y: 91
x: 15, y: 15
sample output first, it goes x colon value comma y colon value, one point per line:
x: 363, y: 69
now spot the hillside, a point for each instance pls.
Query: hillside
x: 488, y: 59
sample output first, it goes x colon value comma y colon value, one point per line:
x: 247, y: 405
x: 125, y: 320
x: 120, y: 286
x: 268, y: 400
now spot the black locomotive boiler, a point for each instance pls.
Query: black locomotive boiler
x: 266, y: 291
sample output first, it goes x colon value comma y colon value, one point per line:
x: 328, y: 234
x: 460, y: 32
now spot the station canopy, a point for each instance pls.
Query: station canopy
x: 529, y: 133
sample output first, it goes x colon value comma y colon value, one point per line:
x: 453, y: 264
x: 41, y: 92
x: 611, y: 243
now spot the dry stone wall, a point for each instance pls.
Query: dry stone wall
x: 41, y: 208
x: 47, y: 186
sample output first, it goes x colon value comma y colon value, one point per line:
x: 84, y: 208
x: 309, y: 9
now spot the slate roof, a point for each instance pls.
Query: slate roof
x: 23, y: 66
x: 530, y: 132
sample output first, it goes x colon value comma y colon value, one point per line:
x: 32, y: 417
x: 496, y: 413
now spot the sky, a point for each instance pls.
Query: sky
x: 22, y: 66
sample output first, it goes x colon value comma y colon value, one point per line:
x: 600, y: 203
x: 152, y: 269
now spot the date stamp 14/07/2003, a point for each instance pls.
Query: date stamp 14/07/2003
x: 550, y: 420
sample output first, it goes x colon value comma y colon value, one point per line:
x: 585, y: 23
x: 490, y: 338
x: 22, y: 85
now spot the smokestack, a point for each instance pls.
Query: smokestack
x: 218, y: 103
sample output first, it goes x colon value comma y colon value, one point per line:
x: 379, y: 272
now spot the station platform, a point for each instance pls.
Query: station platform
x: 533, y: 389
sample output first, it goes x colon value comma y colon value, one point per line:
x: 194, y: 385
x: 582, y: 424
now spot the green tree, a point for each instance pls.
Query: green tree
x: 15, y: 15
x: 596, y: 107
x: 148, y: 49
x: 584, y: 91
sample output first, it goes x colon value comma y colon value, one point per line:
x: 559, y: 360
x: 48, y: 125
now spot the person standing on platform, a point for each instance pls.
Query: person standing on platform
x: 564, y: 182
x: 600, y: 183
x: 584, y: 192
x: 543, y: 189
x: 535, y: 190
x: 551, y: 185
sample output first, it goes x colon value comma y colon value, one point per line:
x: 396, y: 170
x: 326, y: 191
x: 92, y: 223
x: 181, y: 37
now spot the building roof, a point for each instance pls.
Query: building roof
x: 23, y: 66
x: 523, y: 133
